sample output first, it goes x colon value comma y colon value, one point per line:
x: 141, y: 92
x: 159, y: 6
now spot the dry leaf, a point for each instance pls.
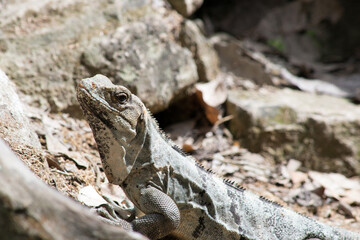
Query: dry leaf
x: 338, y: 186
x: 211, y: 95
x: 90, y: 197
x: 293, y: 165
x: 115, y: 193
x: 53, y: 162
x: 297, y: 178
x: 71, y: 167
x: 54, y: 145
x: 188, y: 147
x: 78, y: 160
x: 346, y: 209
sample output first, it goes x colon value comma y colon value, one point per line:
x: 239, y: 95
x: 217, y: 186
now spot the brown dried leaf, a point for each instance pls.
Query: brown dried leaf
x: 188, y: 147
x: 338, y: 186
x: 53, y: 162
x: 211, y: 95
x: 346, y: 210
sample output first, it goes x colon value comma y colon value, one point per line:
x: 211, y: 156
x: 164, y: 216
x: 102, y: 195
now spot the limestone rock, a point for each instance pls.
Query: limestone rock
x: 30, y: 209
x: 234, y: 59
x: 142, y: 56
x: 319, y: 130
x: 14, y: 125
x: 205, y: 56
x: 186, y: 7
x: 240, y: 59
x: 296, y: 28
x: 41, y: 44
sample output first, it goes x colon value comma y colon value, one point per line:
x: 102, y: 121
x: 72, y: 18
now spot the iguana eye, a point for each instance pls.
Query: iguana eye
x: 120, y: 97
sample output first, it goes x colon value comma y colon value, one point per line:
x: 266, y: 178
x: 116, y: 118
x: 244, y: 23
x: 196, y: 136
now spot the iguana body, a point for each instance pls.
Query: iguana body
x: 178, y: 196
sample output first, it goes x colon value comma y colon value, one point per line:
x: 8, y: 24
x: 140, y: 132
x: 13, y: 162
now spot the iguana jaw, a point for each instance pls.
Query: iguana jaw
x: 116, y: 117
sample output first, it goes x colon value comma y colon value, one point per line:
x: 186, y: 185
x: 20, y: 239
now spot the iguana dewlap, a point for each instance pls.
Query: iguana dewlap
x: 179, y: 198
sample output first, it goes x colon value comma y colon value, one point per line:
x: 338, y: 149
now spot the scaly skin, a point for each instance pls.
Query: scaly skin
x: 179, y: 198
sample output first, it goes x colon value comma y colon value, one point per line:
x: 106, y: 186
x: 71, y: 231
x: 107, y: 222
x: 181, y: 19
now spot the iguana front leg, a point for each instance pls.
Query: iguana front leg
x: 162, y: 214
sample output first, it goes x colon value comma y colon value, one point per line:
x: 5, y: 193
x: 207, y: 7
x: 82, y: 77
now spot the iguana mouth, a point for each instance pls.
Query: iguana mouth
x: 80, y: 85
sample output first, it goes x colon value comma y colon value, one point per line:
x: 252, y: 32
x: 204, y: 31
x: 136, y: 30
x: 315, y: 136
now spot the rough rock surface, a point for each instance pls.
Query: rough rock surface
x: 243, y: 59
x: 205, y: 56
x: 233, y: 58
x: 14, y: 125
x: 30, y: 209
x: 42, y: 43
x: 303, y: 30
x: 296, y: 28
x: 142, y: 57
x: 318, y: 130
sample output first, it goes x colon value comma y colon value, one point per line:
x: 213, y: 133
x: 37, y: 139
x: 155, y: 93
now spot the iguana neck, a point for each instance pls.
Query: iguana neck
x: 157, y: 148
x: 118, y: 157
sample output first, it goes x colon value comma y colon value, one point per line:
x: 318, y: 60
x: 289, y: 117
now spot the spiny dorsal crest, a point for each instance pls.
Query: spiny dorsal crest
x: 232, y: 184
x: 197, y: 163
x: 269, y: 201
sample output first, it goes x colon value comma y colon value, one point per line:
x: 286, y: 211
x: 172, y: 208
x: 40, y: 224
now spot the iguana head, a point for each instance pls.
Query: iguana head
x: 117, y: 119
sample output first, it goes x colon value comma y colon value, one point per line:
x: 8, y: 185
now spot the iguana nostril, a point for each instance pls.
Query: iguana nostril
x: 80, y: 85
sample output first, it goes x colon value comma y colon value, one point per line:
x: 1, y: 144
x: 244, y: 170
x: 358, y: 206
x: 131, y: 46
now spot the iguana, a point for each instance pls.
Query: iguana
x: 178, y: 196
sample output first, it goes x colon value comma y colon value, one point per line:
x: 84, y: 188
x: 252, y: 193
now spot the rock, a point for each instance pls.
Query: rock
x: 30, y: 209
x: 234, y: 59
x: 318, y: 130
x: 302, y: 30
x: 186, y: 7
x: 142, y: 57
x: 296, y: 28
x: 206, y: 59
x: 42, y: 43
x: 239, y: 18
x: 14, y: 125
x: 42, y: 47
x: 243, y: 59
